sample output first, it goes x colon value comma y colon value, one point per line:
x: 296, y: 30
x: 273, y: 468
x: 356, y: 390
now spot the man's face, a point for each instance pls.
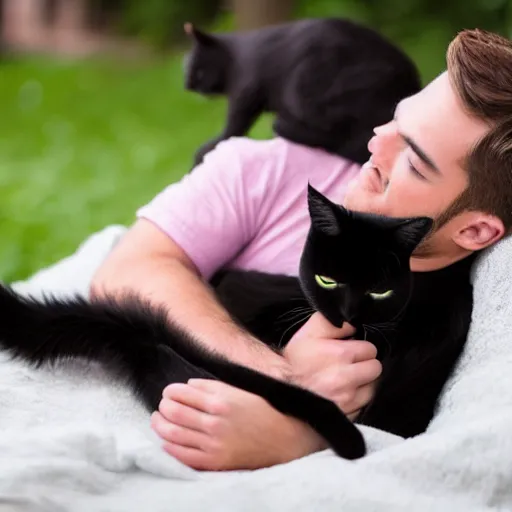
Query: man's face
x: 416, y: 159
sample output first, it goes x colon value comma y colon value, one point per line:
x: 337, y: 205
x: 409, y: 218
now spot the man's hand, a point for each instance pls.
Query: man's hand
x: 210, y: 425
x: 213, y: 426
x: 343, y: 371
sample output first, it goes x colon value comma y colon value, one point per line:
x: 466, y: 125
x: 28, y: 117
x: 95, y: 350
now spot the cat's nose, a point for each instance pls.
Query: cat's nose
x: 349, y: 314
x: 351, y: 319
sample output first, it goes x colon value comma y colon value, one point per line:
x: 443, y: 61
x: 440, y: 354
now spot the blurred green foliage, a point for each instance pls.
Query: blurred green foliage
x: 160, y: 22
x: 422, y: 27
x: 84, y: 144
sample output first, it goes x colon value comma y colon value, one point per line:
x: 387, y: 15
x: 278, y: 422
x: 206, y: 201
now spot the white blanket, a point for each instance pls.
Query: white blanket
x: 71, y: 440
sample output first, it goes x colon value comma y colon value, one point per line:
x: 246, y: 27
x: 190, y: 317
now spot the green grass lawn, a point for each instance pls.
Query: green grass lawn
x: 84, y: 144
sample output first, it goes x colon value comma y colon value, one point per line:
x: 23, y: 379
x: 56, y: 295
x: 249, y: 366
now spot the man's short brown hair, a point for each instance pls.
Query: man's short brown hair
x: 480, y: 70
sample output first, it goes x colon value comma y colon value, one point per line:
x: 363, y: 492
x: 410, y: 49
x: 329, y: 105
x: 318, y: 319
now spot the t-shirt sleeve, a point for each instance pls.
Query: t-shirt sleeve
x: 212, y: 212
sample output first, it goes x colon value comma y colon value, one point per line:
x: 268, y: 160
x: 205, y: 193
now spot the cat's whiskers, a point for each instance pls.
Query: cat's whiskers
x: 294, y: 313
x: 304, y: 316
x: 292, y: 310
x: 397, y: 259
x: 389, y: 326
x: 395, y: 319
x: 372, y: 328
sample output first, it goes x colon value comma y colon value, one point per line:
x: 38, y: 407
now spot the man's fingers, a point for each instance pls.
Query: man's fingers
x: 191, y: 457
x: 177, y: 434
x: 345, y: 331
x: 186, y: 395
x: 183, y: 415
x: 198, y: 394
x: 363, y: 396
x: 211, y: 386
x: 355, y: 351
x: 366, y: 372
x: 318, y: 326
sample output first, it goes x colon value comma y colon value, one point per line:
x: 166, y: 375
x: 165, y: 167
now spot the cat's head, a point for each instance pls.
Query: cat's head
x: 355, y: 266
x: 207, y: 64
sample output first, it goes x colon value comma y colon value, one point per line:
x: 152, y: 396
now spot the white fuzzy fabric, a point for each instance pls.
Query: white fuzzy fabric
x: 72, y: 441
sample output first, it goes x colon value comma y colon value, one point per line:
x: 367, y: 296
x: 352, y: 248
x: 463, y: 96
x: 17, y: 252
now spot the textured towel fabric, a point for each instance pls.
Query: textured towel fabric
x: 72, y: 440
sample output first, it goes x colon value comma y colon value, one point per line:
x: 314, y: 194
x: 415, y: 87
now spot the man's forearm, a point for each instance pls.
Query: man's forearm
x: 192, y: 305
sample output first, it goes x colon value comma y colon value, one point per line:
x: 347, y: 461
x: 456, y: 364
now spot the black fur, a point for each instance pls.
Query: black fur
x: 329, y: 81
x: 419, y: 330
x: 136, y: 342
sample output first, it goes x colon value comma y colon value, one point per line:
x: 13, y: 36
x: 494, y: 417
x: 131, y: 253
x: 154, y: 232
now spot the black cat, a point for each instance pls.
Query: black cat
x: 329, y: 81
x: 354, y: 266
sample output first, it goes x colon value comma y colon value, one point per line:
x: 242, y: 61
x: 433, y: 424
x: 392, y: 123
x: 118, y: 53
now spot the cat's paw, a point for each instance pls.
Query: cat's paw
x: 204, y: 149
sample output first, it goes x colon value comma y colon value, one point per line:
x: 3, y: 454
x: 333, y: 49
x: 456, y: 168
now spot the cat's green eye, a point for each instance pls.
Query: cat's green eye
x: 326, y: 282
x: 380, y: 296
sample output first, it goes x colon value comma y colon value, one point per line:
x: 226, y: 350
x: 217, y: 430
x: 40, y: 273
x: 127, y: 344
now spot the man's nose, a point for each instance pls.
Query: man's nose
x: 384, y: 146
x: 383, y: 136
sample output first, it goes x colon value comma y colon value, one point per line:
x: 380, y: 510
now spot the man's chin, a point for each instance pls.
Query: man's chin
x: 359, y: 202
x: 425, y: 249
x: 351, y: 196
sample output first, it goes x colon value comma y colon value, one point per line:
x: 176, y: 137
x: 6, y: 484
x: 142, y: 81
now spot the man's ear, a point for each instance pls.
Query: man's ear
x: 478, y: 231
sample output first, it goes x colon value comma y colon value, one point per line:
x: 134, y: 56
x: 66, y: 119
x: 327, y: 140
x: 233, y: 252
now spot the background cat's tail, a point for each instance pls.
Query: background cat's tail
x: 128, y: 336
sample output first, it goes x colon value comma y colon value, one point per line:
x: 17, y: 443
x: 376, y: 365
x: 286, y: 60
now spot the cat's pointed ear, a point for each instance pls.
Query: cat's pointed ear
x: 410, y: 232
x: 325, y: 215
x: 199, y: 36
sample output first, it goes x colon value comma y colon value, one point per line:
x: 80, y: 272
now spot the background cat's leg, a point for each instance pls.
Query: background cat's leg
x: 242, y: 113
x: 204, y: 149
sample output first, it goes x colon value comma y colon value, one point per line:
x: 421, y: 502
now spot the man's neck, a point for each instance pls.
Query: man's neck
x: 436, y: 262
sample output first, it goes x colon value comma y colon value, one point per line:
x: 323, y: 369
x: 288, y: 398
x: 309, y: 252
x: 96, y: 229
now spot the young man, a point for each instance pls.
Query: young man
x: 446, y: 154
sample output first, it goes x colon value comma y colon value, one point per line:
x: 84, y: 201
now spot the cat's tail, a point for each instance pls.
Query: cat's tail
x: 128, y: 336
x: 321, y: 414
x: 134, y: 339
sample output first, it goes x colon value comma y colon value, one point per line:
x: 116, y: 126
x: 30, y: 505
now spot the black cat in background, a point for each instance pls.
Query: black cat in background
x: 329, y: 81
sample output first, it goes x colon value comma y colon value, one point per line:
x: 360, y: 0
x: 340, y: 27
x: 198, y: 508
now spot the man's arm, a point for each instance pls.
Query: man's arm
x: 193, y: 228
x: 148, y: 262
x: 211, y: 416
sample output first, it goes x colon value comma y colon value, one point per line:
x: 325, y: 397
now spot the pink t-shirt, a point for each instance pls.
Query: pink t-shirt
x: 246, y: 205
